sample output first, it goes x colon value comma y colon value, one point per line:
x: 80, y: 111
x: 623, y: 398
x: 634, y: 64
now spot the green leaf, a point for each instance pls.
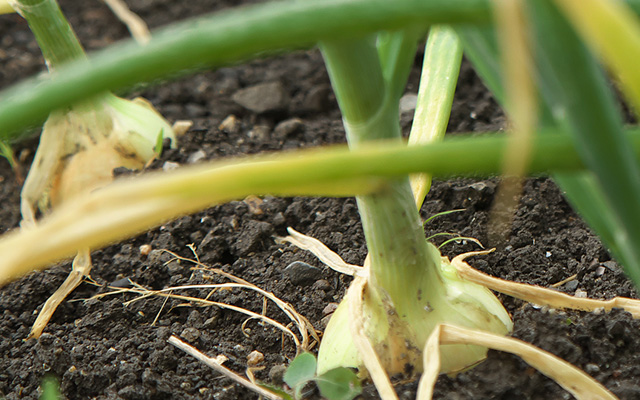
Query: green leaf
x: 339, y: 384
x: 274, y: 389
x: 159, y: 140
x: 301, y: 370
x: 50, y: 389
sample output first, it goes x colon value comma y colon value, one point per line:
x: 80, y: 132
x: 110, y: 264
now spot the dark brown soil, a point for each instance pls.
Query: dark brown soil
x: 104, y: 349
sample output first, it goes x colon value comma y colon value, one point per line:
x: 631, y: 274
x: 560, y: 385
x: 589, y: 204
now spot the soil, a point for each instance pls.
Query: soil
x: 106, y: 349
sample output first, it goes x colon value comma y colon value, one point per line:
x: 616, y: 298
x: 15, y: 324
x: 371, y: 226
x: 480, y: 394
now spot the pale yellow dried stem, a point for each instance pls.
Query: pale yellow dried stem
x: 134, y: 23
x: 364, y: 346
x: 163, y: 293
x: 431, y: 365
x: 572, y: 379
x: 324, y: 254
x: 540, y: 295
x: 304, y: 326
x: 218, y: 367
x: 81, y: 268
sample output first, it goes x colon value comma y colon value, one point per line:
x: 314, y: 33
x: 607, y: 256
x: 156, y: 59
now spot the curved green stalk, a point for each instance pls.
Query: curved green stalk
x: 409, y: 288
x: 137, y: 204
x: 53, y: 33
x: 221, y: 39
x: 440, y: 69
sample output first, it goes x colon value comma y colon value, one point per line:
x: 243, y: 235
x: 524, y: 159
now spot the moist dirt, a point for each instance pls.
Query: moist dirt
x: 105, y: 348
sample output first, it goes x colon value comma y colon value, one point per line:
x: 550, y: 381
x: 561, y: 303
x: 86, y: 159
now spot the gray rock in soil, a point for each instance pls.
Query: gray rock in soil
x: 263, y: 98
x: 276, y: 374
x: 190, y: 334
x: 302, y: 274
x: 571, y: 285
x: 286, y: 128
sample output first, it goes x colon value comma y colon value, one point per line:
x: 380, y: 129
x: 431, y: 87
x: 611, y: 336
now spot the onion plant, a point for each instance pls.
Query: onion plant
x: 82, y: 143
x: 368, y: 47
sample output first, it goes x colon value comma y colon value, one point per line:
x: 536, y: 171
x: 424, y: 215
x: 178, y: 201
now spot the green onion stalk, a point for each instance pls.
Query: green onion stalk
x: 411, y: 288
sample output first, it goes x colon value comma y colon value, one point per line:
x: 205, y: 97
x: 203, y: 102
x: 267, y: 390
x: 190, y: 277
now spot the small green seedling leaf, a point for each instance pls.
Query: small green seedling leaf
x: 276, y: 390
x: 159, y: 141
x: 50, y: 389
x: 441, y: 214
x: 301, y: 370
x: 339, y: 384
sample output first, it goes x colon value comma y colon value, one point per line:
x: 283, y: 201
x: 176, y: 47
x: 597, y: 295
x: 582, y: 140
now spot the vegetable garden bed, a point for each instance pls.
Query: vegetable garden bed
x: 101, y: 348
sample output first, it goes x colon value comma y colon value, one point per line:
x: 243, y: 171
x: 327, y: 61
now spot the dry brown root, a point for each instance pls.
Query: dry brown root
x: 572, y: 379
x: 81, y: 268
x: 540, y: 295
x: 138, y: 28
x: 578, y: 383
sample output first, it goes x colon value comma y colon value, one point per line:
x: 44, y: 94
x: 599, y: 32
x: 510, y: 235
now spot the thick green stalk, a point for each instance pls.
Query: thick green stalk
x: 390, y: 219
x: 221, y: 39
x: 55, y: 37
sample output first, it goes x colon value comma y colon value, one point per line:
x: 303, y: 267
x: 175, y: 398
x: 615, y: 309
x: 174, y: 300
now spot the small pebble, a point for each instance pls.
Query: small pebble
x: 145, y: 249
x: 329, y: 308
x: 600, y: 271
x: 276, y: 373
x: 230, y: 124
x: 580, y: 294
x: 264, y: 97
x: 170, y: 165
x: 190, y: 334
x: 286, y: 128
x: 571, y: 285
x: 591, y: 369
x: 196, y: 156
x: 259, y: 132
x: 254, y: 358
x: 302, y: 274
x: 121, y: 283
x: 408, y: 102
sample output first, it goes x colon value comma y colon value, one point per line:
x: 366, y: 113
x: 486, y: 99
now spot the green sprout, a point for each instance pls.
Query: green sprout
x: 336, y: 384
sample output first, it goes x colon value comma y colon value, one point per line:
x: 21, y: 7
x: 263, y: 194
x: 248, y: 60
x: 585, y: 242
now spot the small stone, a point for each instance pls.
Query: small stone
x: 302, y: 274
x: 580, y: 294
x: 145, y: 249
x: 571, y: 285
x: 329, y: 308
x: 230, y: 124
x: 210, y: 323
x: 254, y: 203
x: 263, y: 97
x: 190, y: 334
x: 121, y: 283
x: 174, y: 268
x: 322, y: 284
x: 591, y: 369
x: 408, y: 103
x: 611, y: 266
x: 196, y: 156
x: 259, y: 132
x: 276, y: 373
x: 254, y: 358
x: 169, y: 165
x: 600, y: 271
x: 286, y: 128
